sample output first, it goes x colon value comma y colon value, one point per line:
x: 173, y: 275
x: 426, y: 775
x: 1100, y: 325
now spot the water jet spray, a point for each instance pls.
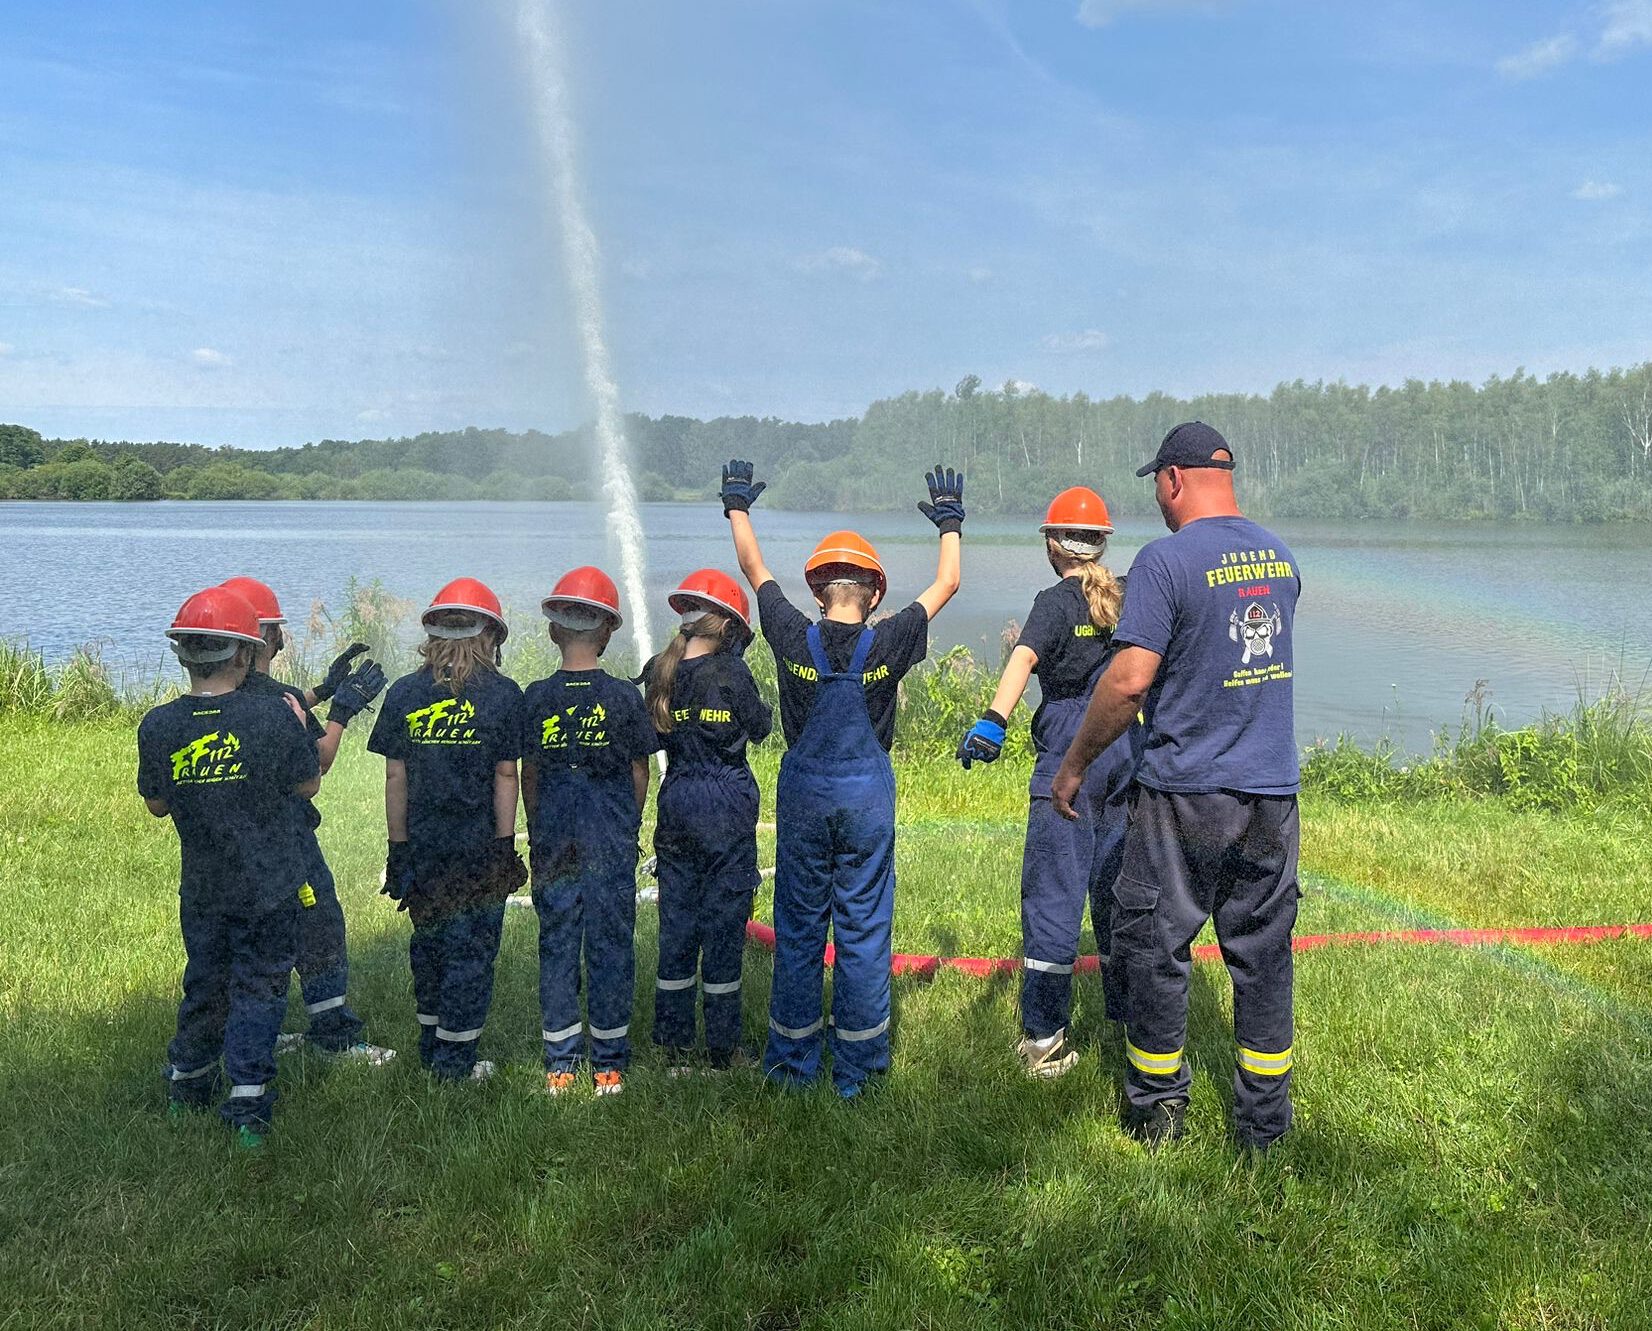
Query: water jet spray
x: 548, y: 84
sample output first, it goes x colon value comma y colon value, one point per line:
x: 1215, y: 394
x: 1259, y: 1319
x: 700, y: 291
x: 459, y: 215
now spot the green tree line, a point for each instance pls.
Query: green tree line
x: 1569, y: 447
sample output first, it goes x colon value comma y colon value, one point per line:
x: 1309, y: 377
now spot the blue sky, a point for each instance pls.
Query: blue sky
x: 263, y: 223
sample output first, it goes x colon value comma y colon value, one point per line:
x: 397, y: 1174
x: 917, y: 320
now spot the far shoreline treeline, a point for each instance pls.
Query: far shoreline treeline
x: 1568, y: 448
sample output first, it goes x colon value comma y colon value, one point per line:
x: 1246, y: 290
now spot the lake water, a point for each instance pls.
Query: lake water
x: 1397, y: 623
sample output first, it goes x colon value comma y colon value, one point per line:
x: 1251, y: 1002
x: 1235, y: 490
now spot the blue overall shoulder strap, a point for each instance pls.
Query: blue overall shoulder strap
x: 817, y: 653
x: 863, y: 649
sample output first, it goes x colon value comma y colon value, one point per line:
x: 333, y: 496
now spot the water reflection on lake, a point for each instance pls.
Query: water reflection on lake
x: 1397, y: 622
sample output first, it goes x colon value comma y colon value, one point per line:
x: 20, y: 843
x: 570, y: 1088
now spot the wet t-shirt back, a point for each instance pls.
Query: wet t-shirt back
x: 898, y: 644
x: 1217, y: 600
x: 226, y: 767
x: 450, y: 746
x: 716, y: 711
x: 585, y: 721
x: 259, y: 683
x: 1070, y: 650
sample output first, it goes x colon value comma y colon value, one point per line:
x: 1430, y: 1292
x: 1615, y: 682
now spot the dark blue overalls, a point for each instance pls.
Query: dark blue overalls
x: 585, y: 893
x: 323, y: 959
x: 1067, y: 861
x: 706, y: 842
x: 835, y: 862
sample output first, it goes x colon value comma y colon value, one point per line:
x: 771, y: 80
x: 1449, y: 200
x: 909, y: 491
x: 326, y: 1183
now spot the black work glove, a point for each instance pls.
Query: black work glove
x: 339, y: 671
x: 739, y: 490
x: 357, y: 692
x: 946, y: 499
x: 398, y: 873
x: 985, y: 740
x: 506, y: 871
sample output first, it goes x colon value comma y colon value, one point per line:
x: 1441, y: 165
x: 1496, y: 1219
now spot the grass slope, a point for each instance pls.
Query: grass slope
x: 1472, y: 1145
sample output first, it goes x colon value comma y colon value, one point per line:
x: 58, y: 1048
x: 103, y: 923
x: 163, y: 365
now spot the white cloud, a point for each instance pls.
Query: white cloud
x: 842, y: 259
x: 980, y: 273
x: 6, y: 348
x: 1088, y: 339
x: 1539, y: 58
x: 1099, y: 13
x: 80, y: 298
x: 372, y: 416
x: 1592, y: 191
x: 1626, y: 24
x: 210, y: 359
x: 638, y: 270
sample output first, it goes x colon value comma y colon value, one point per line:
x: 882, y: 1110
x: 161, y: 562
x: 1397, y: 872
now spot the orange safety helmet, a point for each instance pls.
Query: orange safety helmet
x: 711, y: 588
x: 1078, y: 509
x: 260, y: 595
x: 841, y: 549
x: 215, y: 613
x: 589, y: 587
x: 469, y: 594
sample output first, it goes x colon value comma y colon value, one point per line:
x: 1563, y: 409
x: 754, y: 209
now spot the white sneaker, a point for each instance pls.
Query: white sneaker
x: 483, y: 1070
x: 289, y: 1042
x: 374, y: 1055
x: 1046, y: 1058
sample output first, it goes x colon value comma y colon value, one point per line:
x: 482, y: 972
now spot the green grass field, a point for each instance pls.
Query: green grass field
x: 1473, y: 1146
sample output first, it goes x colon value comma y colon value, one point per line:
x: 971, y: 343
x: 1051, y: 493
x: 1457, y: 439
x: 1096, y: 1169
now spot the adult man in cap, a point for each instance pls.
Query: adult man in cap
x: 1205, y: 645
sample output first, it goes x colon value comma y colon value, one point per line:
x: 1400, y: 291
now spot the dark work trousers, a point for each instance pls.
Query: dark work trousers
x: 1066, y: 863
x: 585, y: 893
x: 455, y: 942
x: 1188, y: 858
x: 323, y: 964
x: 705, y: 843
x: 235, y: 994
x: 835, y: 864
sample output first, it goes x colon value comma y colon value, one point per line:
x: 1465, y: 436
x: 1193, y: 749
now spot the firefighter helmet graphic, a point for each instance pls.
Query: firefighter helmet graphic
x: 1256, y: 629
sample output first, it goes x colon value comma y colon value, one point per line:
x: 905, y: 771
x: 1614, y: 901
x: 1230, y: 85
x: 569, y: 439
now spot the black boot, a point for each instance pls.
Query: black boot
x: 1164, y: 1122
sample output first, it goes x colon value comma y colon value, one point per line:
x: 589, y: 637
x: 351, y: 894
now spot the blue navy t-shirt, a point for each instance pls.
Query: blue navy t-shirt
x: 585, y: 721
x: 450, y: 746
x: 258, y: 682
x: 1217, y: 601
x: 716, y: 711
x: 226, y: 766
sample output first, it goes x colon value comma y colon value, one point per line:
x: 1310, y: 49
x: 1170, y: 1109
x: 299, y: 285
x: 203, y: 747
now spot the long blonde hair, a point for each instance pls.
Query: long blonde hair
x: 664, y: 673
x: 1101, y: 589
x: 454, y: 660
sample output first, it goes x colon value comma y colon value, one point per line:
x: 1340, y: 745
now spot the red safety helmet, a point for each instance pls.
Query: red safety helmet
x: 840, y: 549
x: 259, y: 595
x: 586, y: 586
x: 472, y: 595
x: 712, y: 589
x: 1078, y: 509
x: 217, y: 613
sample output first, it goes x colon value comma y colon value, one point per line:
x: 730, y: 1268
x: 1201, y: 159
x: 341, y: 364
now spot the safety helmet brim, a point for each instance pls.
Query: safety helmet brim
x: 1046, y: 528
x: 549, y: 602
x: 469, y: 609
x: 685, y: 602
x: 175, y: 633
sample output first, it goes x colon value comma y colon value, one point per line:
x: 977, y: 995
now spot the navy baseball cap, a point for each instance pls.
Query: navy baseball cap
x: 1191, y: 445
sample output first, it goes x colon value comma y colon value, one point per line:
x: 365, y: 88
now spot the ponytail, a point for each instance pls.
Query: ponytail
x: 1103, y: 591
x: 664, y: 674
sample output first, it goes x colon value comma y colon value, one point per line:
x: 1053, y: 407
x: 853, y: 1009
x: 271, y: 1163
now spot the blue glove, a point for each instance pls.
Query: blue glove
x: 739, y: 490
x: 946, y: 500
x: 984, y: 742
x: 398, y: 873
x: 357, y: 692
